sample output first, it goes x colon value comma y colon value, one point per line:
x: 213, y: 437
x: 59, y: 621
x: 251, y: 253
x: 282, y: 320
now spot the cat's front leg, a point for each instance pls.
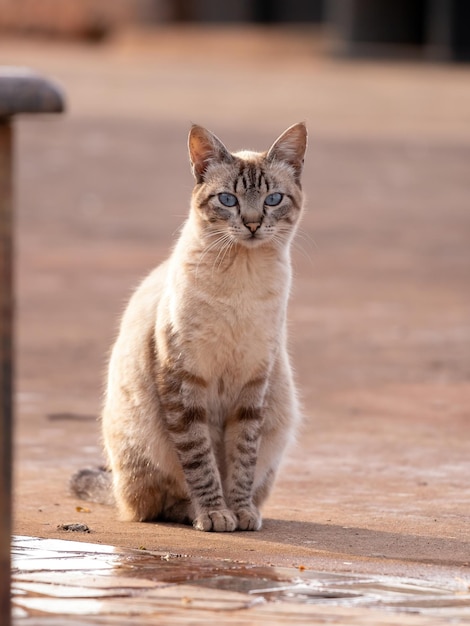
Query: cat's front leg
x: 187, y: 425
x: 190, y: 434
x: 242, y: 436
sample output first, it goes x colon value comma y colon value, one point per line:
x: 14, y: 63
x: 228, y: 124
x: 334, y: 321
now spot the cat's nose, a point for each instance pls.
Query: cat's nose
x: 253, y: 226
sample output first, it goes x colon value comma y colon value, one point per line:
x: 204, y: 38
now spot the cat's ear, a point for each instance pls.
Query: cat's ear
x: 290, y: 147
x: 205, y: 148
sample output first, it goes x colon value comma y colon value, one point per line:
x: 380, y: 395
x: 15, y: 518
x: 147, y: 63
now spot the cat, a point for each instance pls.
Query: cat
x: 200, y: 401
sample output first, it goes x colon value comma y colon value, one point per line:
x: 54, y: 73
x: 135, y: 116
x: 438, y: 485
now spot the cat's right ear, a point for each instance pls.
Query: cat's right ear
x: 205, y: 148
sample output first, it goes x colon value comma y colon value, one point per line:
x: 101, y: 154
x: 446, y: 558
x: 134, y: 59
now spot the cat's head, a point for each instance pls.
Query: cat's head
x: 249, y: 198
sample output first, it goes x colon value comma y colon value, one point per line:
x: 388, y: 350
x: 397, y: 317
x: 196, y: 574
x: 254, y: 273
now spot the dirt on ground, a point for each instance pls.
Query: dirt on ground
x: 379, y: 314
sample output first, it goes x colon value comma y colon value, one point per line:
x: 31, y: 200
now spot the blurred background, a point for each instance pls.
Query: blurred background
x: 380, y: 311
x: 436, y: 28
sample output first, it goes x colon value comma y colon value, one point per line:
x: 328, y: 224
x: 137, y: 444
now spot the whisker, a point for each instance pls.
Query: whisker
x: 179, y: 228
x: 302, y: 237
x: 298, y: 246
x: 221, y: 236
x: 228, y: 249
x: 303, y: 234
x: 226, y: 245
x: 278, y: 241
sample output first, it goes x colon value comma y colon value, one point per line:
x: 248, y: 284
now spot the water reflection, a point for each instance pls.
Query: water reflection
x: 62, y: 579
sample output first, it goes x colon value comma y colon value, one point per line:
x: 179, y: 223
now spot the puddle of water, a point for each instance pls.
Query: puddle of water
x: 68, y: 578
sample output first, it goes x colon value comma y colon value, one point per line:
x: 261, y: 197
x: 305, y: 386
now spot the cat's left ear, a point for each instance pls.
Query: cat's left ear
x: 290, y: 147
x: 205, y: 148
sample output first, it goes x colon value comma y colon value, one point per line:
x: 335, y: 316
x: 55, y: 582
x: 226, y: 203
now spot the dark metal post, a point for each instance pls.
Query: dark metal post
x: 5, y: 360
x: 21, y: 91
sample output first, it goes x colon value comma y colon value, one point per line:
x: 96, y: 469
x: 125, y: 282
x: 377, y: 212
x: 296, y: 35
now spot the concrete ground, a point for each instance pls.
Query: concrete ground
x: 380, y: 311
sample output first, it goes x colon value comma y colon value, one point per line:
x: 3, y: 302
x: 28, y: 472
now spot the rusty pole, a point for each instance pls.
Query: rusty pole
x: 21, y: 91
x: 5, y: 358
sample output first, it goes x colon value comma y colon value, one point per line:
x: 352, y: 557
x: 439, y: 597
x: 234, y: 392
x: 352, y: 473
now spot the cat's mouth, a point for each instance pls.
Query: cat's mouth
x: 253, y: 240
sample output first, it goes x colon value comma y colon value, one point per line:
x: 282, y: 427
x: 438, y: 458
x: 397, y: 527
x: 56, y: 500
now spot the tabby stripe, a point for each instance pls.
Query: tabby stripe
x: 243, y: 484
x: 212, y: 498
x: 204, y: 481
x: 237, y: 177
x: 246, y: 463
x: 214, y: 495
x: 195, y: 464
x: 186, y: 446
x: 190, y: 416
x: 259, y: 381
x: 173, y: 405
x: 170, y: 380
x: 214, y: 502
x: 252, y: 176
x: 245, y: 414
x: 193, y: 379
x: 168, y: 384
x: 239, y: 494
x: 268, y: 186
x: 196, y: 461
x: 200, y: 495
x: 239, y: 500
x: 243, y: 448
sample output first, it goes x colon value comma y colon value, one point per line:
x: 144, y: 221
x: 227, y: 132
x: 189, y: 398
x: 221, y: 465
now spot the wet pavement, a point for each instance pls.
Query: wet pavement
x: 64, y: 582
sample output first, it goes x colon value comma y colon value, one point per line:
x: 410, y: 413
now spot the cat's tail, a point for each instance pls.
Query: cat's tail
x: 93, y: 484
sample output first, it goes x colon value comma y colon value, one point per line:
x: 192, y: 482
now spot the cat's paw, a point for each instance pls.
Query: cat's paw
x: 249, y: 518
x: 221, y: 521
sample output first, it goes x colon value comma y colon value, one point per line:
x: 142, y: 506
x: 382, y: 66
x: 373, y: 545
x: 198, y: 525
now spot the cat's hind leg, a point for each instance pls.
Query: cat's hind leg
x: 263, y: 490
x: 138, y: 492
x: 178, y: 512
x: 281, y: 416
x: 147, y: 494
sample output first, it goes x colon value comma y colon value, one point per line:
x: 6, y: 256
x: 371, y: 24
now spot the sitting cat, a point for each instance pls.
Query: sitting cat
x: 200, y: 401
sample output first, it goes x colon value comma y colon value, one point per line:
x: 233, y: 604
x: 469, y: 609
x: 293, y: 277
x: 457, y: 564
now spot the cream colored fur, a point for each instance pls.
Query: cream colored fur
x: 215, y: 311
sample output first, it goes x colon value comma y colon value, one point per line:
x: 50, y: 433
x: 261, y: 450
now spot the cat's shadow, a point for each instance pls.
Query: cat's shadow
x: 339, y: 541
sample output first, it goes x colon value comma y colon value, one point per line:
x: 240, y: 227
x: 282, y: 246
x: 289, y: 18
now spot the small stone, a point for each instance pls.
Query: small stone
x: 76, y: 528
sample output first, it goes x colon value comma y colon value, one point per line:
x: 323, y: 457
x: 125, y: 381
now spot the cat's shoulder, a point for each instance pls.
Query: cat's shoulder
x: 147, y: 295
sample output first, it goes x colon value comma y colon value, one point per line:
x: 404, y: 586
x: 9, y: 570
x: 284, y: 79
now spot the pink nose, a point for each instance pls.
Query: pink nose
x: 253, y: 226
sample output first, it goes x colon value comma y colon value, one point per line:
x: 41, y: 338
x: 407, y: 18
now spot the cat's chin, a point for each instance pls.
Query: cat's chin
x: 253, y: 242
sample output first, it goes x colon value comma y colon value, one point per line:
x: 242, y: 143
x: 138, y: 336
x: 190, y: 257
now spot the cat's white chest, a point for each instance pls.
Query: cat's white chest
x: 232, y: 327
x: 240, y: 336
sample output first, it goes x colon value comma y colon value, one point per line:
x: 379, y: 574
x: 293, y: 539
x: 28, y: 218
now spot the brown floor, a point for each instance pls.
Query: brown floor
x: 380, y: 312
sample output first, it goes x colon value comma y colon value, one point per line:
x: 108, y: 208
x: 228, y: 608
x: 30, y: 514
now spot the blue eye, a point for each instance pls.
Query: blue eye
x: 273, y: 199
x: 228, y: 199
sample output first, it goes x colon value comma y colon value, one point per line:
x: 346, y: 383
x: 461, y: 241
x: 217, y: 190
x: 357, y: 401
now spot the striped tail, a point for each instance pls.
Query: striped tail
x: 93, y: 484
